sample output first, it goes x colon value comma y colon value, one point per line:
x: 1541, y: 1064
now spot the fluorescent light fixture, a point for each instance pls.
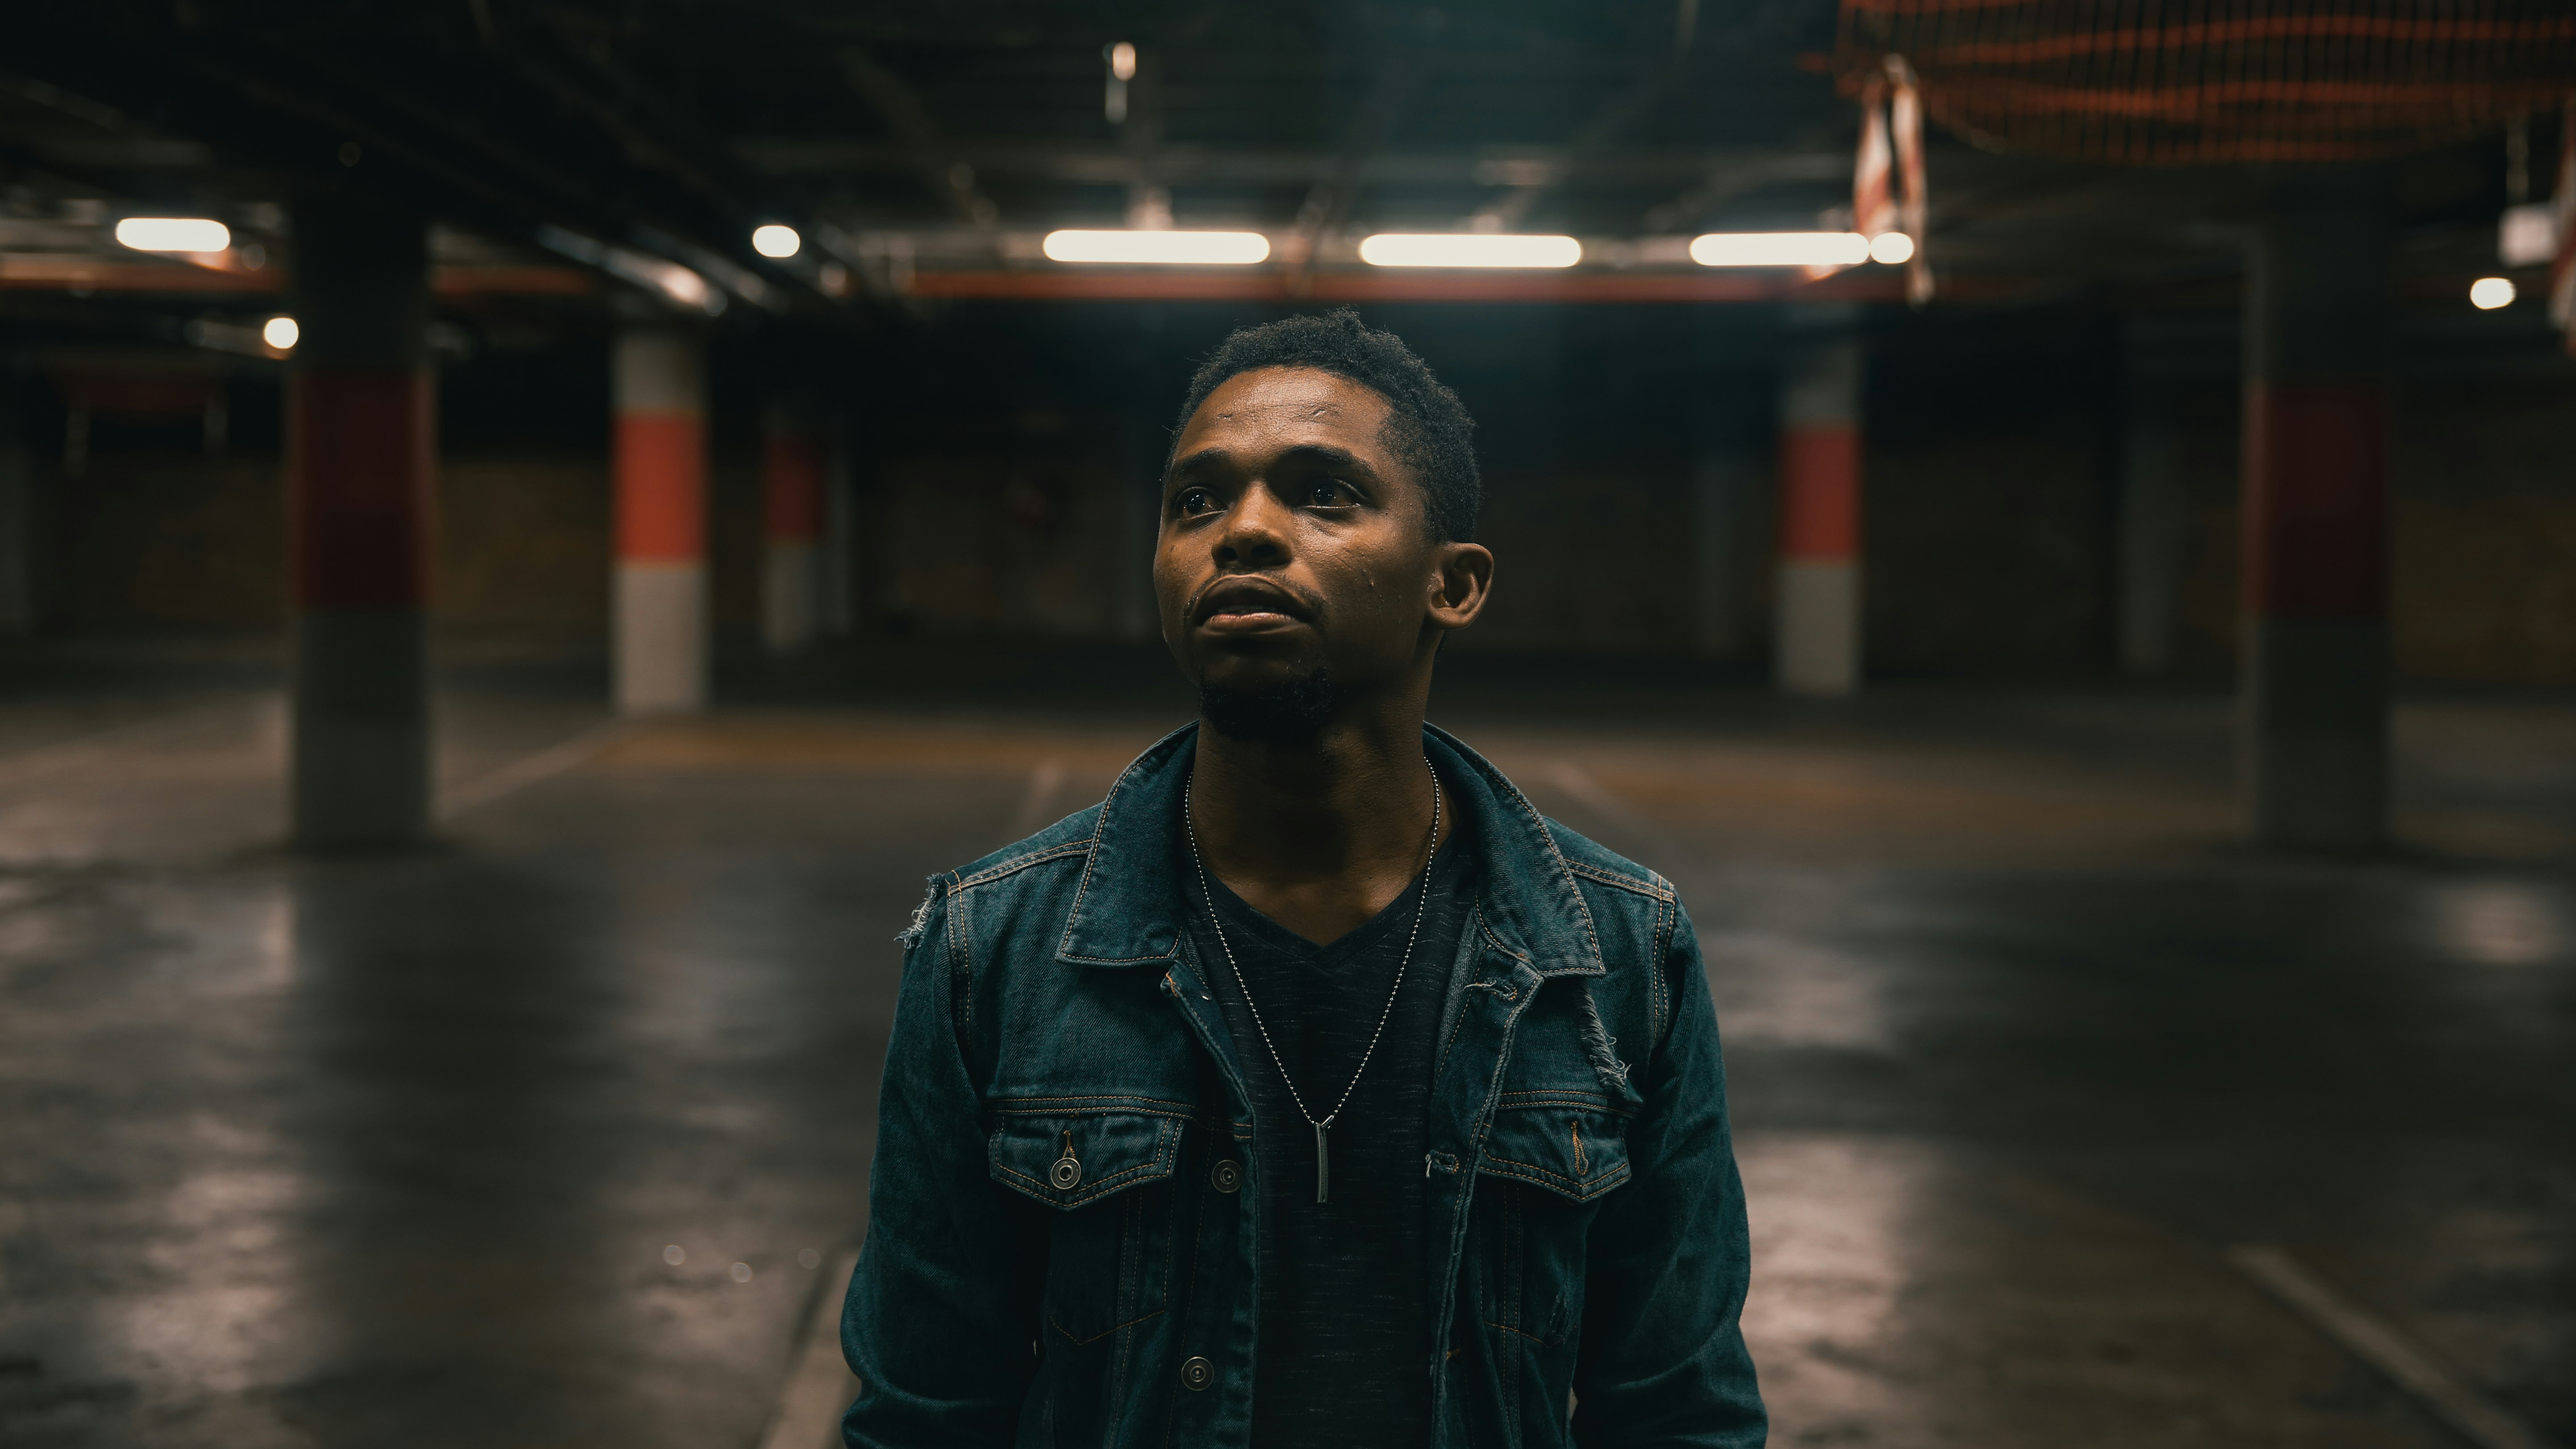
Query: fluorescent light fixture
x: 281, y: 333
x: 2528, y: 234
x: 1168, y: 248
x: 2488, y: 293
x: 1468, y: 249
x: 672, y: 280
x: 774, y: 240
x: 173, y: 234
x: 1891, y: 248
x: 1780, y: 249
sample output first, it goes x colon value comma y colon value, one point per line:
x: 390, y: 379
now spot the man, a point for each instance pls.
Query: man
x: 1310, y: 1090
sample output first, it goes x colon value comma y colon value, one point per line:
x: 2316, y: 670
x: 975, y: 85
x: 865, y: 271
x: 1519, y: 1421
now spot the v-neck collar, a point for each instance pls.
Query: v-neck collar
x: 1241, y: 917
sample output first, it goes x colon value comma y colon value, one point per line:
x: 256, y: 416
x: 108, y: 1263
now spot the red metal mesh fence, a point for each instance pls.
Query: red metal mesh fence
x: 2173, y: 82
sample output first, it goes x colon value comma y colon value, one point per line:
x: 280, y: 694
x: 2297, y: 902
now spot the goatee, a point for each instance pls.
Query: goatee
x: 1291, y: 712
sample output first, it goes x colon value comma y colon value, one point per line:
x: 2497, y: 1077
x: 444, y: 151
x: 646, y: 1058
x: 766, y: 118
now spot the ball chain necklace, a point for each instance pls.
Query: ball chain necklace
x: 1324, y: 1127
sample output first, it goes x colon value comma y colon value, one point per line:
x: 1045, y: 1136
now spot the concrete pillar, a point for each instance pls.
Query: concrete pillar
x: 2315, y: 513
x: 1145, y: 441
x: 361, y: 459
x: 791, y: 562
x: 1733, y: 417
x: 1140, y: 502
x: 2150, y: 524
x: 661, y: 601
x: 840, y: 568
x: 1724, y: 478
x: 17, y: 507
x: 1819, y: 643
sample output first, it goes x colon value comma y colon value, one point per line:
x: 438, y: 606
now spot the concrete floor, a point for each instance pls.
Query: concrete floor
x: 389, y: 1150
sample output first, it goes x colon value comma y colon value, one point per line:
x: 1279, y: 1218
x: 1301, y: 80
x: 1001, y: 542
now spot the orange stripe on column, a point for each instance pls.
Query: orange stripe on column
x: 792, y: 487
x: 361, y: 453
x: 1820, y: 494
x: 661, y: 487
x: 2316, y: 501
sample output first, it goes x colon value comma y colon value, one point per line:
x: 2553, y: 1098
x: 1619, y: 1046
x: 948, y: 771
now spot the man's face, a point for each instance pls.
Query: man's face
x: 1295, y: 543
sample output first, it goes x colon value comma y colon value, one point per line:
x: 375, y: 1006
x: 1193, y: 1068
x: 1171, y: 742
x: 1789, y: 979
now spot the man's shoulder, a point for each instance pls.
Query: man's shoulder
x: 1067, y: 840
x: 1593, y: 863
x: 1015, y: 876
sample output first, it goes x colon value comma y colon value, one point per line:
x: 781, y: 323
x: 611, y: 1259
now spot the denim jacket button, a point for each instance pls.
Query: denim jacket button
x: 1197, y: 1373
x: 1067, y: 1174
x: 1225, y: 1176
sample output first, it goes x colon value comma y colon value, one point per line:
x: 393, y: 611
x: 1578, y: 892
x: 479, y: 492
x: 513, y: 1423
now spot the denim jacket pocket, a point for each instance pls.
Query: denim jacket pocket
x: 1069, y: 1158
x: 1570, y: 1143
x: 1107, y: 1175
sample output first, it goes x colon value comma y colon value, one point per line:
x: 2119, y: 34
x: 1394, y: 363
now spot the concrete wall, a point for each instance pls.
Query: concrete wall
x: 167, y: 540
x: 1990, y: 501
x: 2485, y: 533
x: 1011, y: 542
x: 1593, y: 561
x: 2482, y: 476
x: 523, y: 548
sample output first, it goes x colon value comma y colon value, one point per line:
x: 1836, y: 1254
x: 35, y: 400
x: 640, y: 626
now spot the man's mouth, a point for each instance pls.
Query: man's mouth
x: 1248, y: 606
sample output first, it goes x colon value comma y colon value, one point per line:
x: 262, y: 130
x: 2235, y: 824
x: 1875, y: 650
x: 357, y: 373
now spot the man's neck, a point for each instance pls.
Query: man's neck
x: 1317, y: 835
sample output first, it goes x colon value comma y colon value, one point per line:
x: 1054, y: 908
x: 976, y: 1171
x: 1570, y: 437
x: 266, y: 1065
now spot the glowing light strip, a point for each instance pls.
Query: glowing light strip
x: 1780, y: 249
x: 173, y: 234
x: 1469, y: 249
x: 1159, y: 248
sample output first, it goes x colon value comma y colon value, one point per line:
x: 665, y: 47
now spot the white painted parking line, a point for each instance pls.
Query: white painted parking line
x: 1045, y: 783
x: 103, y: 746
x: 819, y: 1385
x: 1637, y: 835
x: 1594, y: 796
x: 519, y: 774
x: 2378, y: 1343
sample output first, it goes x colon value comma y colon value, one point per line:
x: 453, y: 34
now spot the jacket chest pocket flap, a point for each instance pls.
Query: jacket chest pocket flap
x: 1571, y: 1143
x: 1067, y: 1159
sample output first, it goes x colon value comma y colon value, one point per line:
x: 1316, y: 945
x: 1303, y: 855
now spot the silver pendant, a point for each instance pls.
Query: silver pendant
x: 1323, y: 1165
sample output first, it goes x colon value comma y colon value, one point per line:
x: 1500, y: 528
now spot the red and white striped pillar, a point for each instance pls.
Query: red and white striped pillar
x: 2315, y: 513
x: 792, y: 463
x: 1818, y: 649
x: 661, y: 467
x: 361, y: 459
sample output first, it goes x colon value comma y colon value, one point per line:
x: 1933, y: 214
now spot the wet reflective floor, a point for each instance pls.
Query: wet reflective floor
x: 525, y: 1139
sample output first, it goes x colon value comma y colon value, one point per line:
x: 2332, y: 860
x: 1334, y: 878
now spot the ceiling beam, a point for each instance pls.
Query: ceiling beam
x: 1092, y: 163
x: 949, y: 178
x: 1328, y: 202
x: 1733, y: 176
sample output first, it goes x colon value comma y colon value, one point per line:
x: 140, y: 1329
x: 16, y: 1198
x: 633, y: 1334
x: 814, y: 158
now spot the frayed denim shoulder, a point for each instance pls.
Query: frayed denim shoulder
x: 911, y: 935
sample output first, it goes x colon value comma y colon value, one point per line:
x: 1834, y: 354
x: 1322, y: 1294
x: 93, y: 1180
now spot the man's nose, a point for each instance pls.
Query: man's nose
x: 1256, y: 531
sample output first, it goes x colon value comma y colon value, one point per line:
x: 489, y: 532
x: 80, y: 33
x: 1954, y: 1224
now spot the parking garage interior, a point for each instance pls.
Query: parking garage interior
x: 492, y: 645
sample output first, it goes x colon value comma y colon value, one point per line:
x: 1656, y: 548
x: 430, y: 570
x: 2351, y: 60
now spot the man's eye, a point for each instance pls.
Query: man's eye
x: 1330, y: 494
x: 1194, y: 500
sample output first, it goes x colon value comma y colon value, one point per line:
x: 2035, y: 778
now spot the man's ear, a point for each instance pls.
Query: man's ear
x: 1462, y: 578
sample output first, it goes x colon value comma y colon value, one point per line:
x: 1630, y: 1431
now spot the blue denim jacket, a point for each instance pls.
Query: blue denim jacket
x: 1061, y: 1246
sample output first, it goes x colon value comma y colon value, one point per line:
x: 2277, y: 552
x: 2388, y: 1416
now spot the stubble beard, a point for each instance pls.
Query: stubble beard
x: 1291, y: 712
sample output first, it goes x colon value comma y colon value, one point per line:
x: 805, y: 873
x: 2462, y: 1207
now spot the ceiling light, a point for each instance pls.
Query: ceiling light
x: 281, y: 333
x: 773, y: 240
x: 1891, y: 248
x: 1780, y: 249
x: 1122, y: 60
x: 2528, y: 234
x: 1469, y: 249
x: 1175, y: 248
x: 2488, y: 293
x: 173, y: 234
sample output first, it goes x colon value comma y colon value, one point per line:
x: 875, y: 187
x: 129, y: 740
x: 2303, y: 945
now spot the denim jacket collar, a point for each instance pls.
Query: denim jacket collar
x: 1128, y: 909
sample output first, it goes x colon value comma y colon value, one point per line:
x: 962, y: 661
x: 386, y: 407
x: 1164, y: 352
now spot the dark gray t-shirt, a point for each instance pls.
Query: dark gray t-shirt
x: 1345, y: 1346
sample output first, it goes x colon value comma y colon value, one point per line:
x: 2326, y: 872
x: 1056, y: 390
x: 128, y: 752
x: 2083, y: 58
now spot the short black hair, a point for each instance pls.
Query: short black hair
x: 1427, y: 426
